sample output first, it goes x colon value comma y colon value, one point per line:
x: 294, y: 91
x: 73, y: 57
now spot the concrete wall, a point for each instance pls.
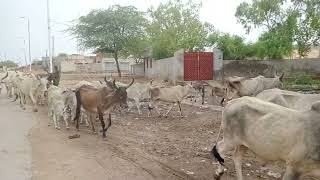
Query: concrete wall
x: 137, y: 69
x: 171, y: 69
x: 251, y: 68
x: 67, y: 66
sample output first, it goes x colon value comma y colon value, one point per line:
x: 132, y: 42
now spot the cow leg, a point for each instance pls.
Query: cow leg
x: 109, y: 122
x: 218, y: 151
x: 100, y: 114
x: 91, y: 121
x: 180, y: 110
x: 56, y: 123
x: 291, y: 174
x: 237, y: 158
x: 151, y: 103
x: 65, y: 117
x: 88, y: 117
x: 137, y: 102
x: 34, y: 102
x: 166, y: 114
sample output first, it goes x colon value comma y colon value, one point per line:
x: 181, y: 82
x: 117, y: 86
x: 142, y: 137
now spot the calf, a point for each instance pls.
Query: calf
x: 99, y: 101
x: 172, y: 95
x: 56, y: 106
x: 272, y: 132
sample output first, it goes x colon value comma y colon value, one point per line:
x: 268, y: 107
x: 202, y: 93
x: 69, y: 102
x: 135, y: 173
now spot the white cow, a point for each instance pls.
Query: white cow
x: 33, y: 88
x: 174, y: 94
x: 289, y: 99
x: 56, y: 106
x: 240, y: 86
x: 272, y: 132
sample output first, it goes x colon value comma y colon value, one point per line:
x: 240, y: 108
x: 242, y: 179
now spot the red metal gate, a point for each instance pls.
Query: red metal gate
x: 198, y: 66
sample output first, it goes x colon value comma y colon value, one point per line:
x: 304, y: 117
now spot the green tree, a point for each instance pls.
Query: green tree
x: 110, y: 30
x: 232, y: 46
x: 299, y: 18
x: 135, y: 48
x: 175, y: 25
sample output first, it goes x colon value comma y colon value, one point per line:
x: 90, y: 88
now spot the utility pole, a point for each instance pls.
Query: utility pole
x: 52, y: 46
x: 29, y: 41
x: 49, y: 38
x: 24, y: 53
x: 29, y: 45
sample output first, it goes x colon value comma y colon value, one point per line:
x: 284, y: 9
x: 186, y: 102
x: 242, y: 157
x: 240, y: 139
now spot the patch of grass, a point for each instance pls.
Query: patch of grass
x: 302, y: 81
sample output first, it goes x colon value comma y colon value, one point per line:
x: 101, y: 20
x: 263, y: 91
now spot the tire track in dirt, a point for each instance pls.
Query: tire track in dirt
x: 139, y: 159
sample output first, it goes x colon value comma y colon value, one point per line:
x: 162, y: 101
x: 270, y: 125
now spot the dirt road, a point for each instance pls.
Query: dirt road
x: 15, y: 149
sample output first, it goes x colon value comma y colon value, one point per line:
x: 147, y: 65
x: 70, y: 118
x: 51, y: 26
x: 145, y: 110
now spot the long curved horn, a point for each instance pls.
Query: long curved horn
x: 130, y: 83
x: 281, y: 77
x: 4, y: 77
x: 105, y: 79
x: 114, y: 84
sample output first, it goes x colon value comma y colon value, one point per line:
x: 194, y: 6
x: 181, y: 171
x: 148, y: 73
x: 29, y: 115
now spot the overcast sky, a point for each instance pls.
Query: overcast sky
x: 14, y: 29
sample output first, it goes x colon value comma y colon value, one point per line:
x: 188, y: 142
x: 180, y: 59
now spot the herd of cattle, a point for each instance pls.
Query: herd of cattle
x: 275, y: 124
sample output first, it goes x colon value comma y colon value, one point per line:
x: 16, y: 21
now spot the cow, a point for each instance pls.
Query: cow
x: 100, y: 100
x: 172, y: 95
x: 9, y: 82
x: 273, y: 133
x: 240, y: 86
x: 57, y: 108
x: 33, y: 88
x: 136, y: 93
x: 289, y: 99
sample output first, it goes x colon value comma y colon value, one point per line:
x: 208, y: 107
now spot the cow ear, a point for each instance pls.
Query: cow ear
x: 234, y: 85
x: 281, y: 77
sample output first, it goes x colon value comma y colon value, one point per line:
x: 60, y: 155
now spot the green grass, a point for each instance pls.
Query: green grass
x: 302, y: 82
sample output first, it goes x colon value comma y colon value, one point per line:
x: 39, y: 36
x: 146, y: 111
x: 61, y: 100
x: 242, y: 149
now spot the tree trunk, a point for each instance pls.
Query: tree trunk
x: 117, y: 62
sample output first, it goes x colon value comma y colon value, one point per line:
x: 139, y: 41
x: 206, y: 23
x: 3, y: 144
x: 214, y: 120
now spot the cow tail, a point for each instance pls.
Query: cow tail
x: 76, y: 118
x: 4, y: 77
x: 214, y: 151
x: 215, y: 154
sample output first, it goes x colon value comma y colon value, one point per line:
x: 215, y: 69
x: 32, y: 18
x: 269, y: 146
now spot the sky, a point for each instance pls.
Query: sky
x: 13, y: 30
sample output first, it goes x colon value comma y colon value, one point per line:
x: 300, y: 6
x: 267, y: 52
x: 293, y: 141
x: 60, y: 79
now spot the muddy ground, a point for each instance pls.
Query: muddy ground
x: 137, y: 147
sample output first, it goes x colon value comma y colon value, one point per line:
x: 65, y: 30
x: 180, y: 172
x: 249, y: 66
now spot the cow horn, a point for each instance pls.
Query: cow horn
x: 130, y: 83
x: 114, y: 84
x: 105, y: 79
x: 38, y: 76
x: 281, y: 77
x: 4, y: 77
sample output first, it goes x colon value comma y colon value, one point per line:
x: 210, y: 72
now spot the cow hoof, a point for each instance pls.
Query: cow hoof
x: 49, y: 124
x: 23, y: 108
x: 35, y: 110
x: 68, y: 128
x: 217, y: 175
x: 87, y: 125
x: 58, y: 128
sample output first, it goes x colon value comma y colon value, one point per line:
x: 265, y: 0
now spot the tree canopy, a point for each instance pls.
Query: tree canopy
x: 110, y: 30
x: 285, y: 22
x: 175, y: 25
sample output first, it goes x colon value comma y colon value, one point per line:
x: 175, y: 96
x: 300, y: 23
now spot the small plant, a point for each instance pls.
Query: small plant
x: 304, y: 79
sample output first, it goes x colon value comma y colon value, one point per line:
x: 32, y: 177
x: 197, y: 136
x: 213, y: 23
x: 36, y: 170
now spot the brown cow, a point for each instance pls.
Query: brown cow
x: 99, y: 101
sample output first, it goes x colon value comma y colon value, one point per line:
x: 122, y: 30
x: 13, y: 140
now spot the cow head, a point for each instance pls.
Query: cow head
x: 42, y: 88
x: 120, y: 93
x: 232, y: 87
x: 279, y: 81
